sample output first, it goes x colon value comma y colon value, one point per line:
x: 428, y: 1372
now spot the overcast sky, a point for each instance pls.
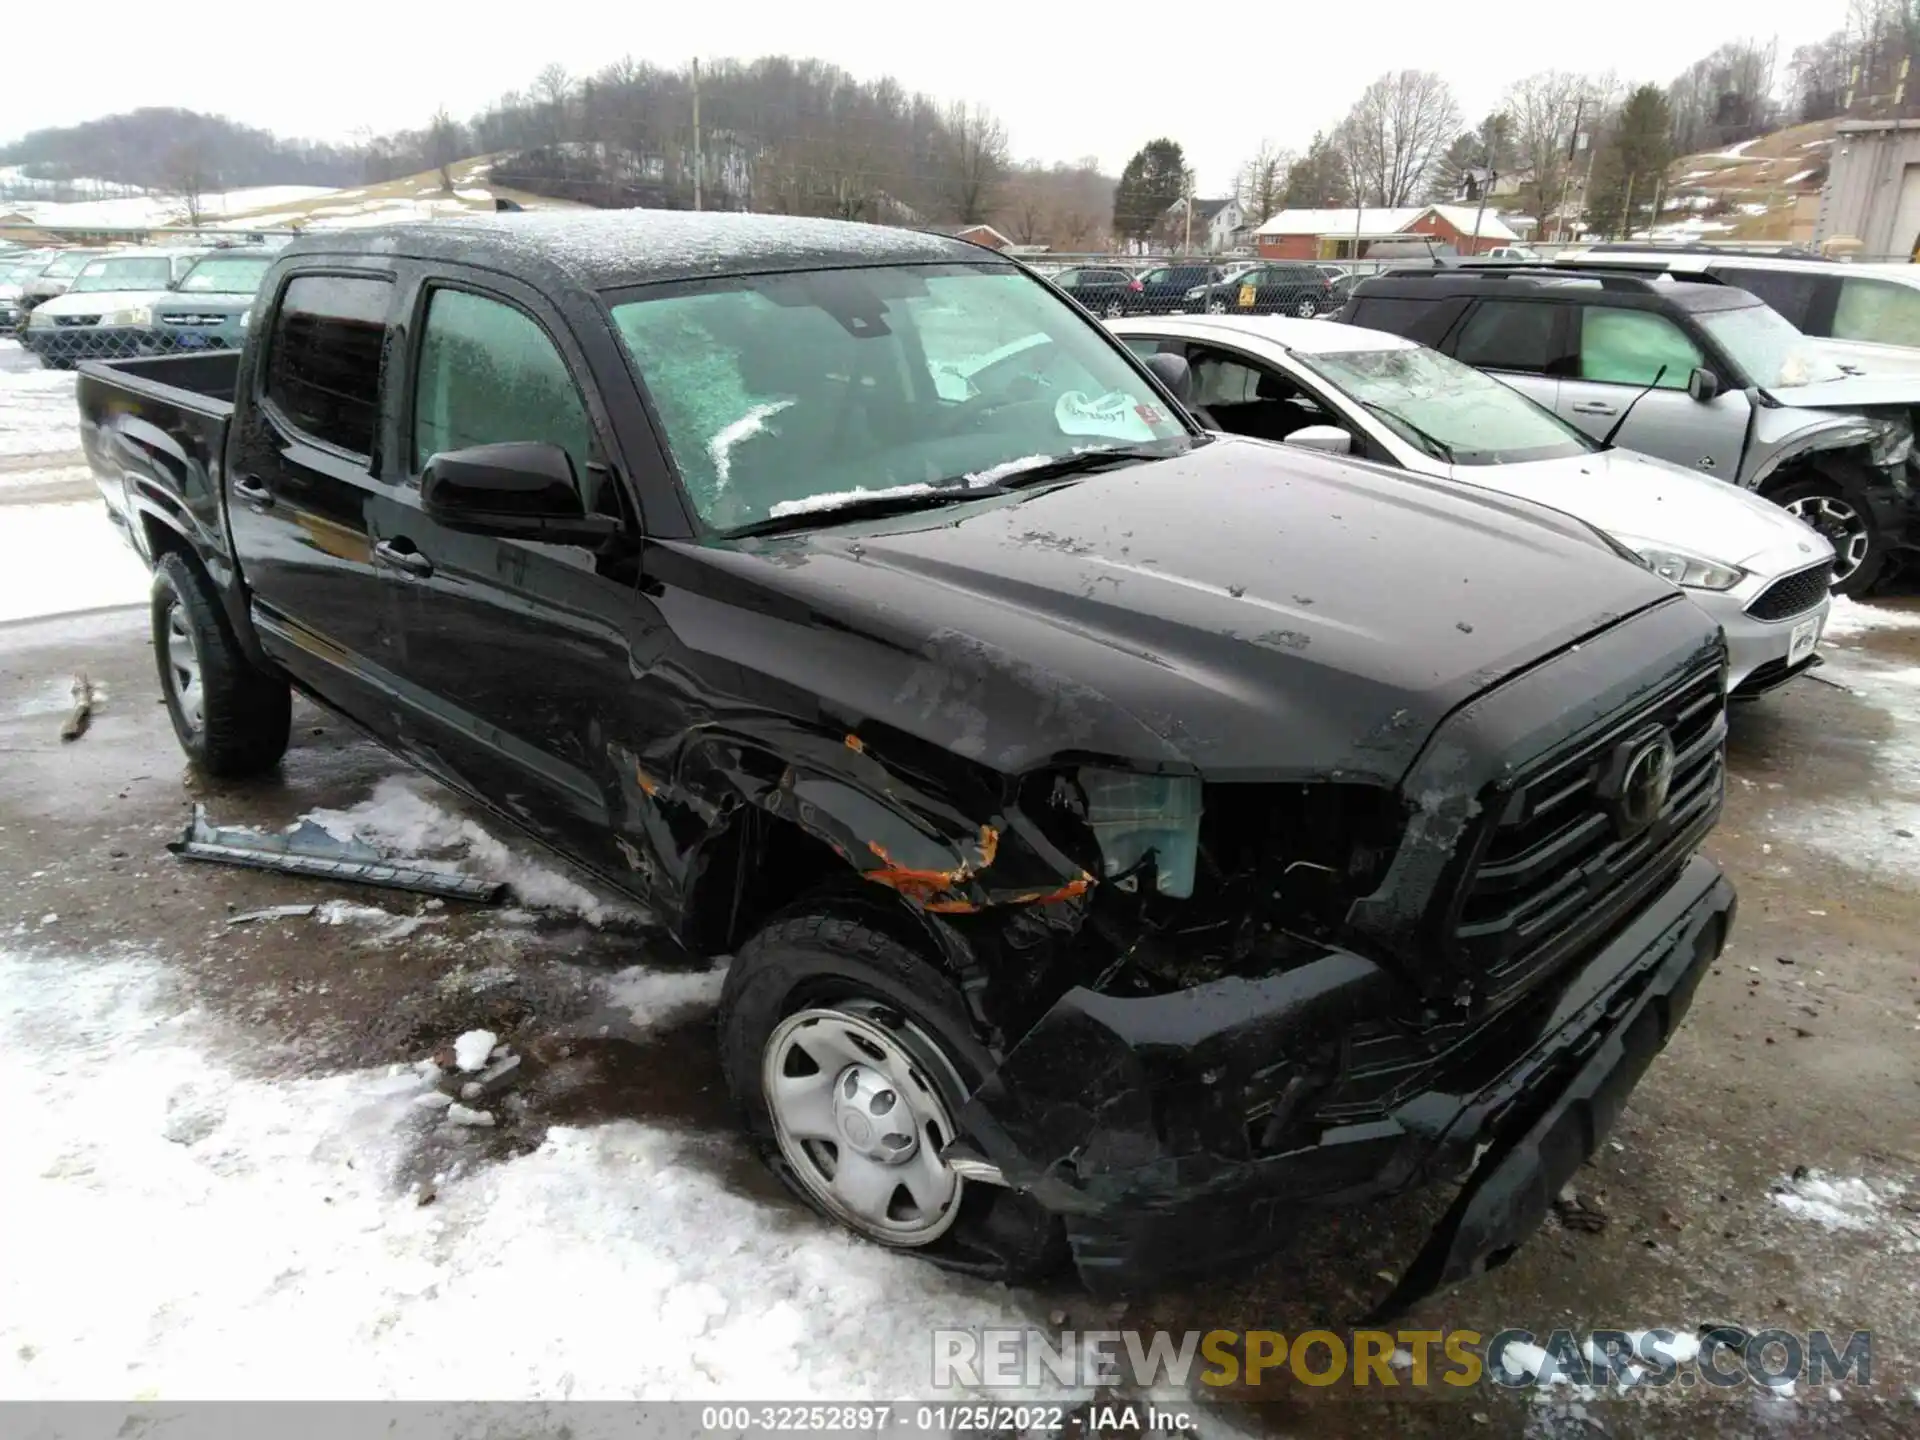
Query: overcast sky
x: 1217, y: 80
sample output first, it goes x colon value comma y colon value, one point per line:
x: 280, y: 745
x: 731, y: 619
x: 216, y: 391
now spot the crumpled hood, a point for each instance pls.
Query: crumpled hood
x: 1246, y: 610
x: 101, y: 302
x: 1853, y: 392
x: 1632, y: 495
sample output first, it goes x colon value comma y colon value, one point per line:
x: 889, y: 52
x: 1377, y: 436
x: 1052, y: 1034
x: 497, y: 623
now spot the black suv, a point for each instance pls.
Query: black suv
x: 1707, y: 376
x: 1278, y: 289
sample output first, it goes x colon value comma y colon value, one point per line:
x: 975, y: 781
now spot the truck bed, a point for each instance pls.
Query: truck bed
x: 155, y: 434
x: 202, y: 383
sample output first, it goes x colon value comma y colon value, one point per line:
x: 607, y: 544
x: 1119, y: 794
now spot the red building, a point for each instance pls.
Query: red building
x: 1333, y: 234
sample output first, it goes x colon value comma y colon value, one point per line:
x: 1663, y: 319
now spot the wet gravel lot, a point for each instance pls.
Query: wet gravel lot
x: 1802, y: 1051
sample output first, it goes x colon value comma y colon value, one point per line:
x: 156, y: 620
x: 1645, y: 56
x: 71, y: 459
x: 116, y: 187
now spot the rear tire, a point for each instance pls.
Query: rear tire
x: 232, y: 719
x: 1844, y: 518
x: 842, y: 1017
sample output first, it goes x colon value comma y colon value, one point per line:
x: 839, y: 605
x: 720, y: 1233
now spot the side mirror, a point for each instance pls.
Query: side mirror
x: 1330, y: 438
x: 520, y: 490
x: 1173, y: 372
x: 1703, y: 385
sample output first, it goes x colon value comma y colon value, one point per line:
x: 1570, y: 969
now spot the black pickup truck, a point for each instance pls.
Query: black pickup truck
x: 1124, y: 834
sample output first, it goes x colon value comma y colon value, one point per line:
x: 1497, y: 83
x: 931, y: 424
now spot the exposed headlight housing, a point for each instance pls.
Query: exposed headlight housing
x: 246, y: 315
x: 1694, y: 572
x: 39, y: 319
x: 1892, y: 442
x: 1132, y: 814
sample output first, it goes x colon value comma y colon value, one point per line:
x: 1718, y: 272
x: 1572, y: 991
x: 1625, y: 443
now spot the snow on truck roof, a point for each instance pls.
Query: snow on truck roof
x: 605, y: 249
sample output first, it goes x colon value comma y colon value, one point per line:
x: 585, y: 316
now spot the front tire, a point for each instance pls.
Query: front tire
x: 232, y: 719
x: 848, y: 1056
x: 1845, y: 519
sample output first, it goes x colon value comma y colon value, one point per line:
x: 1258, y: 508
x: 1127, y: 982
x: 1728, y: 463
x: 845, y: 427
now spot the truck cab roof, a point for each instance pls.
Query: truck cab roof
x: 612, y: 249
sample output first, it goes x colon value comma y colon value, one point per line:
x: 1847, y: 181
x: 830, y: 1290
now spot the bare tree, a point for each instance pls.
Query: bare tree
x: 975, y: 163
x: 187, y: 176
x: 1261, y: 185
x: 1395, y: 135
x: 443, y: 146
x: 1546, y: 110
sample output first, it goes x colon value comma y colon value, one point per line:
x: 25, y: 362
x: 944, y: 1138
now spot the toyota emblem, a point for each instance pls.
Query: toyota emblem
x: 1642, y: 776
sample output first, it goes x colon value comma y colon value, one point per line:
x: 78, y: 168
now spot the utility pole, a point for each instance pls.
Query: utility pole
x: 697, y: 157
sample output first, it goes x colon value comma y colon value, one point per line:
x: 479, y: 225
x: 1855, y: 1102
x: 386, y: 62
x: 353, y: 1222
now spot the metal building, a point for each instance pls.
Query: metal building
x: 1872, y: 195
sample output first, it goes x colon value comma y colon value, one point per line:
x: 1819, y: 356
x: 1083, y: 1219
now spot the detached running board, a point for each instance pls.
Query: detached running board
x: 309, y: 850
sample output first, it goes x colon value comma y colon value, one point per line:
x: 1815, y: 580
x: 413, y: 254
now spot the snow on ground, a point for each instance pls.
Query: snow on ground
x: 38, y: 415
x: 156, y: 208
x: 55, y: 559
x: 199, y: 1233
x: 1876, y: 834
x: 1850, y: 617
x: 400, y: 818
x: 1848, y: 1203
x: 654, y: 997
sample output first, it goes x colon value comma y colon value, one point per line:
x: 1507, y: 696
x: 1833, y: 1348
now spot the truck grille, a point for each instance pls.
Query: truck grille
x: 1567, y: 856
x: 191, y: 319
x: 1791, y: 594
x: 76, y: 319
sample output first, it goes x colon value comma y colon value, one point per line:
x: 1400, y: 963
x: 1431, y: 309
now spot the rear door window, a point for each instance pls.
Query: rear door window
x: 1883, y: 311
x: 1510, y: 335
x: 323, y: 360
x: 1629, y: 347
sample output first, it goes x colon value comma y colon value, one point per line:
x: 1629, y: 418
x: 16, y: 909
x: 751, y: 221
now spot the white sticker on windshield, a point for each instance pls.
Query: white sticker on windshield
x: 1113, y: 416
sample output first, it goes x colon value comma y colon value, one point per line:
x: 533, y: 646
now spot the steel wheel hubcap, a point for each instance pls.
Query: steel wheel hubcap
x: 183, y: 668
x: 860, y: 1123
x: 1841, y: 524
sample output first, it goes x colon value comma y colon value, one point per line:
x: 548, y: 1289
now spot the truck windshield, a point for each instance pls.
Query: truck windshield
x: 794, y: 394
x: 132, y: 272
x: 1450, y: 410
x: 1763, y: 342
x: 226, y: 275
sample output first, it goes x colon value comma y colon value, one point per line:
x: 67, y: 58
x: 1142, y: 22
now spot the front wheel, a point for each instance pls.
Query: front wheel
x: 849, y: 1057
x: 232, y: 719
x: 1844, y: 518
x: 1306, y: 310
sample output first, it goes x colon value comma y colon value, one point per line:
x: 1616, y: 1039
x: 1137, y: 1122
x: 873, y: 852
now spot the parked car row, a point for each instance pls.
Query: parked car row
x: 71, y: 305
x: 1124, y: 831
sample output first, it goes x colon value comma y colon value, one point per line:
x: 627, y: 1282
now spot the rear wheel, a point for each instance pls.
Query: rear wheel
x: 1114, y: 310
x: 230, y: 718
x: 1306, y: 310
x: 1844, y: 518
x: 849, y: 1056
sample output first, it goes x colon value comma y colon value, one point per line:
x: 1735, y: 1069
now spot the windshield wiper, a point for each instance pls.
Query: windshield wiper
x: 953, y: 490
x: 1439, y: 447
x: 1084, y: 462
x: 855, y: 508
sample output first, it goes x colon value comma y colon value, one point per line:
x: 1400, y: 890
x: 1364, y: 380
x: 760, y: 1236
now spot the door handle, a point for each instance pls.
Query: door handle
x: 1594, y: 407
x: 411, y: 561
x: 253, y: 492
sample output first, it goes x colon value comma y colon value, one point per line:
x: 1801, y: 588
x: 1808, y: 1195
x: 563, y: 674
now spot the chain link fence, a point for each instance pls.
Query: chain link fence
x: 72, y: 295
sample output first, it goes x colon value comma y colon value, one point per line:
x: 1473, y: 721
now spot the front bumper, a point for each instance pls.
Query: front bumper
x: 1175, y: 1134
x: 1760, y: 652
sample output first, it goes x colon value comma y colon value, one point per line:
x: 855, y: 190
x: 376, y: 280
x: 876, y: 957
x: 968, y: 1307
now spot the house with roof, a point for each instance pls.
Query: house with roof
x: 1218, y: 225
x: 1347, y: 234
